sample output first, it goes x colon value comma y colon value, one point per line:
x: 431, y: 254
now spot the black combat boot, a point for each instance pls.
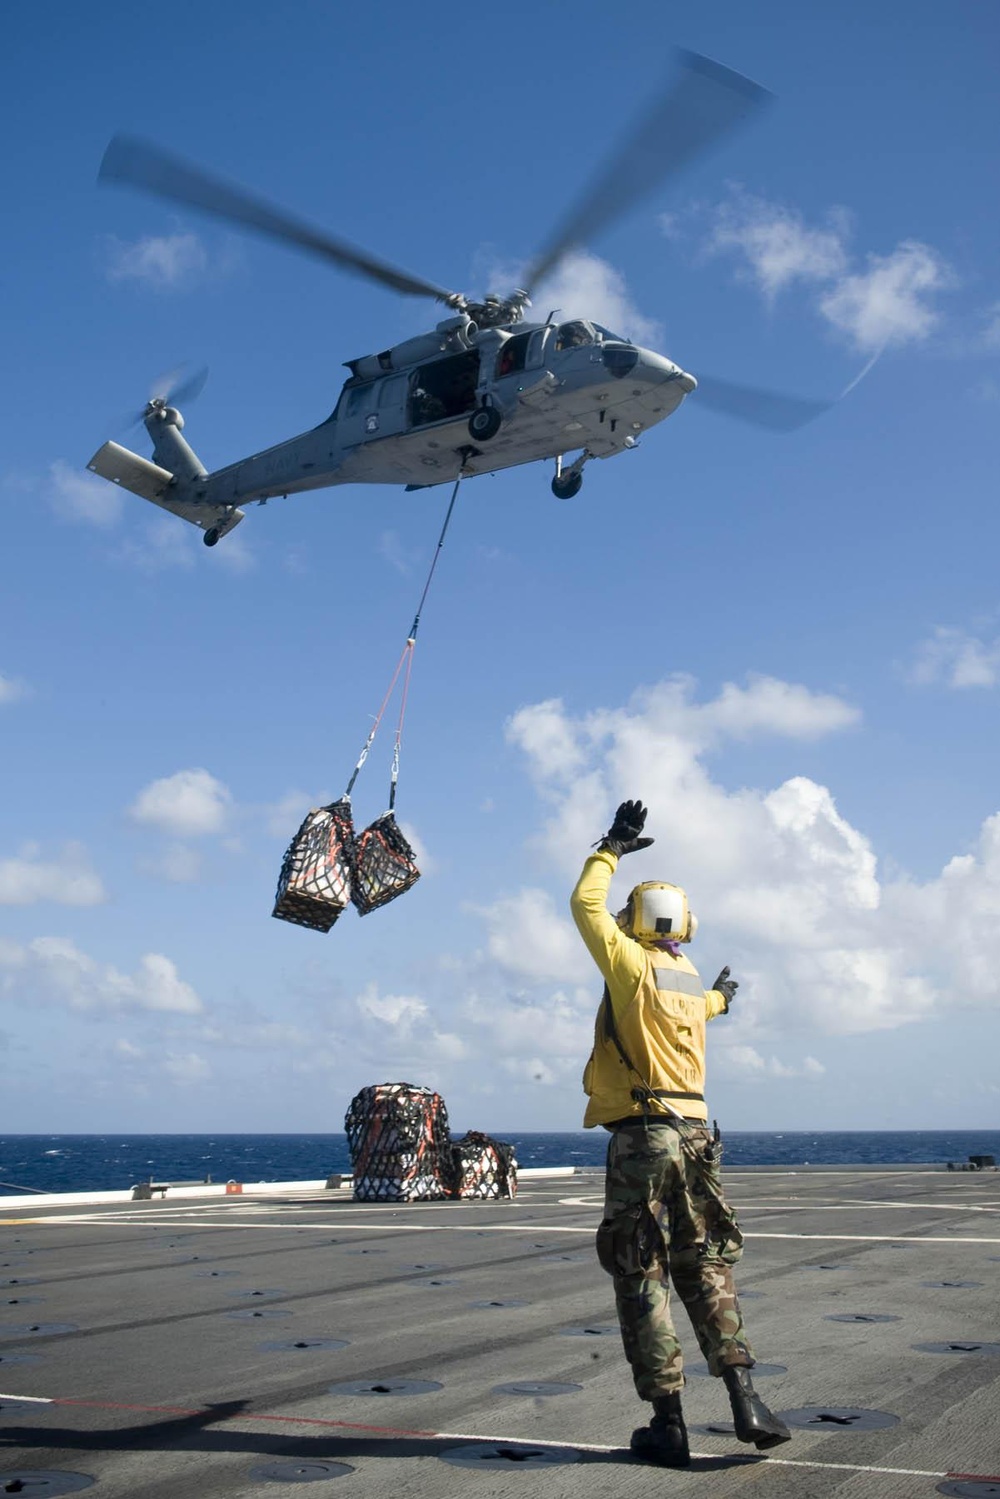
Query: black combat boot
x: 751, y: 1417
x: 665, y: 1439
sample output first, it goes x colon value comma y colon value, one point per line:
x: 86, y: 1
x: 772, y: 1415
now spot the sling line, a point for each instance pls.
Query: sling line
x: 406, y: 658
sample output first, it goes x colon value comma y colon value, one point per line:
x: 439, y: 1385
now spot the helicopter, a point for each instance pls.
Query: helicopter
x: 487, y: 388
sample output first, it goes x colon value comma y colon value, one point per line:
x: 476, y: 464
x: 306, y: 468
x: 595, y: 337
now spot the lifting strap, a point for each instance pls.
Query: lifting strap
x: 406, y: 659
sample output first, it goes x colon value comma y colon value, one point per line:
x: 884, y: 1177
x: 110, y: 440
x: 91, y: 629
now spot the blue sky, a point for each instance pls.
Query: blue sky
x: 789, y: 647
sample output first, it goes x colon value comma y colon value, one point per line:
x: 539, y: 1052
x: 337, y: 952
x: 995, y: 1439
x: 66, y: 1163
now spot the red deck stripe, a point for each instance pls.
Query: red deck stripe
x: 180, y: 1410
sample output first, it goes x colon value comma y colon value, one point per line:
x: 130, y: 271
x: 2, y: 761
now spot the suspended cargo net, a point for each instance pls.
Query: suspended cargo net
x: 399, y: 1142
x: 316, y: 878
x: 482, y: 1166
x: 326, y: 866
x: 384, y: 865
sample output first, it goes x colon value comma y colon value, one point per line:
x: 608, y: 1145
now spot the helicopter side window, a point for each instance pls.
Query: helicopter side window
x: 357, y: 399
x: 573, y: 336
x: 535, y: 348
x: 392, y: 392
x: 514, y: 355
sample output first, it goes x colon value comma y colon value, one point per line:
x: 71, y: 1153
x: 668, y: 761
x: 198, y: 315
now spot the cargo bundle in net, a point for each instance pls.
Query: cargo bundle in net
x: 384, y: 865
x: 326, y: 864
x: 400, y: 1145
x: 316, y: 880
x: 482, y: 1167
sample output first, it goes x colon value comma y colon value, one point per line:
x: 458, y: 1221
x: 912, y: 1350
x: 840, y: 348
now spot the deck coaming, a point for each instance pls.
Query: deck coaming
x: 206, y: 1404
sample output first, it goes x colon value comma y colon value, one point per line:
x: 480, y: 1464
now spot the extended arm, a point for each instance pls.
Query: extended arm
x: 620, y: 960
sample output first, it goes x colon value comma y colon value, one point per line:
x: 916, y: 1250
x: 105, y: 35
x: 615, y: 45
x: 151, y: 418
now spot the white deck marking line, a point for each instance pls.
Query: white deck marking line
x: 517, y: 1228
x: 861, y: 1207
x: 748, y: 1458
x: 836, y: 1207
x: 262, y: 1418
x: 881, y: 1238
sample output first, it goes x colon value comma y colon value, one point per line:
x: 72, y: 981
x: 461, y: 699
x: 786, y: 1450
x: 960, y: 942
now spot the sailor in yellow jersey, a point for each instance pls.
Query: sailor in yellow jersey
x: 665, y: 1217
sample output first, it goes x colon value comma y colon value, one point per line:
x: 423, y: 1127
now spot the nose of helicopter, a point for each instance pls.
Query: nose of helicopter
x: 659, y: 370
x: 622, y: 360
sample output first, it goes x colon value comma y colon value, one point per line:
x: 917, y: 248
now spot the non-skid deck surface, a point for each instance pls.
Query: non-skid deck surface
x: 223, y: 1348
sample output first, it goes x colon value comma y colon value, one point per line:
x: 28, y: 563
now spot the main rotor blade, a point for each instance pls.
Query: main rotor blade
x: 141, y: 165
x: 701, y: 107
x: 762, y: 408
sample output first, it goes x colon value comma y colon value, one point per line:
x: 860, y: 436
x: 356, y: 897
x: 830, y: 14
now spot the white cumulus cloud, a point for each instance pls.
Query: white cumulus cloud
x: 186, y: 1068
x: 745, y: 1063
x: 68, y: 879
x: 582, y: 286
x: 776, y: 243
x: 165, y: 262
x: 888, y: 302
x: 957, y: 659
x: 400, y: 1012
x: 77, y: 495
x: 11, y: 690
x: 530, y: 939
x: 991, y: 327
x: 56, y: 970
x: 187, y: 804
x: 178, y: 864
x: 882, y: 301
x: 783, y: 883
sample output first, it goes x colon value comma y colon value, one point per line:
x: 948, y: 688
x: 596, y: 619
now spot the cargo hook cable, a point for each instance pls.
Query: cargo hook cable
x: 407, y: 658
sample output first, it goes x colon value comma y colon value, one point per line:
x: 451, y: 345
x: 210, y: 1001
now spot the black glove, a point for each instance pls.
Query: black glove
x: 726, y: 986
x: 623, y: 835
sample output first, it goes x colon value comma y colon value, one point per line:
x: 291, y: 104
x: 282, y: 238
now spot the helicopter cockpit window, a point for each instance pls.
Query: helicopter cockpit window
x: 614, y: 338
x: 513, y: 355
x: 572, y: 336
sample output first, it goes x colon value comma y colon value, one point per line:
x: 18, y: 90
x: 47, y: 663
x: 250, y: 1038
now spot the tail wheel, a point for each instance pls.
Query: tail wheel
x: 484, y: 423
x: 211, y: 536
x: 565, y: 489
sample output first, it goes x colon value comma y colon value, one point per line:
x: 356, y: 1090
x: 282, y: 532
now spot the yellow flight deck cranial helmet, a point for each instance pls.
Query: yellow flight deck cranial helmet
x: 657, y: 912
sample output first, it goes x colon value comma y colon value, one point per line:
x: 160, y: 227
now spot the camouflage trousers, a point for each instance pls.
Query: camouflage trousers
x: 665, y: 1218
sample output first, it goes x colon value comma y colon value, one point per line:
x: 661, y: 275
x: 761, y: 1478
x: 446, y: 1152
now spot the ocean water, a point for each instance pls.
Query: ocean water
x: 95, y: 1163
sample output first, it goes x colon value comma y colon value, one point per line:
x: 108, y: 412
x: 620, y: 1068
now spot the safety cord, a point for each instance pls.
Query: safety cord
x: 399, y: 727
x: 407, y: 657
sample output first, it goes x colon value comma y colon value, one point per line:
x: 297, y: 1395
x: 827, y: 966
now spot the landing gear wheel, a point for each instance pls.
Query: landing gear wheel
x: 211, y: 536
x: 484, y: 423
x: 565, y: 489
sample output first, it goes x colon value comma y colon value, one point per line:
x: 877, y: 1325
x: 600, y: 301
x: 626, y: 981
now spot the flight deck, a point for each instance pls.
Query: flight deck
x: 186, y: 1346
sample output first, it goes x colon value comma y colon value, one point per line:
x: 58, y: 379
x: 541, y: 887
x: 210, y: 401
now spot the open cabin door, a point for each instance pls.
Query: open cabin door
x: 444, y: 389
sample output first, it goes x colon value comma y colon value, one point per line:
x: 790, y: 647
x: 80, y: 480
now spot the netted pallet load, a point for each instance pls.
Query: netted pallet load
x: 482, y: 1166
x: 317, y: 872
x: 400, y: 1145
x: 384, y: 865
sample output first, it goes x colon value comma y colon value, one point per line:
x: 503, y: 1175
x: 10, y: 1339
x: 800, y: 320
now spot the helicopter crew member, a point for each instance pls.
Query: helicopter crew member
x: 665, y: 1217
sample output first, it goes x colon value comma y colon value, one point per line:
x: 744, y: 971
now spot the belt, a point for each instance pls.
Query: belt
x: 638, y: 1121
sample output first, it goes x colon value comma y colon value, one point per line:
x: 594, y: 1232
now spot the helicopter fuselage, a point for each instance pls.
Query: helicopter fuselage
x: 555, y: 389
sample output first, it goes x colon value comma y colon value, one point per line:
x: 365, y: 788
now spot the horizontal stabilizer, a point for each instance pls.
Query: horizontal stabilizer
x: 152, y: 483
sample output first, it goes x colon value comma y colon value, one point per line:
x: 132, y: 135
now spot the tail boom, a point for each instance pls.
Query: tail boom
x: 158, y: 485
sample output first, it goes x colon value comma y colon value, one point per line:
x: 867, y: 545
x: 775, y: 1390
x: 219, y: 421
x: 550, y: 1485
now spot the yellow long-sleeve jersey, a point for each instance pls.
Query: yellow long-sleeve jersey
x: 659, y: 1009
